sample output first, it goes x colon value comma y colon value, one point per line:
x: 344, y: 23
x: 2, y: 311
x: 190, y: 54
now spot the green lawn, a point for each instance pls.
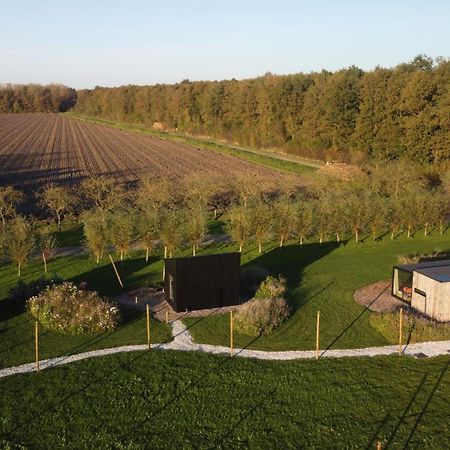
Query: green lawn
x: 188, y: 400
x: 207, y: 144
x: 319, y: 277
x: 17, y: 330
x: 322, y: 277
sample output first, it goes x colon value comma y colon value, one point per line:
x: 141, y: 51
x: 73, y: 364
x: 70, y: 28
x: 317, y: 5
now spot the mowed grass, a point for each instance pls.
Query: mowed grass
x: 17, y: 330
x: 190, y: 400
x: 322, y: 277
x: 319, y: 277
x: 254, y: 156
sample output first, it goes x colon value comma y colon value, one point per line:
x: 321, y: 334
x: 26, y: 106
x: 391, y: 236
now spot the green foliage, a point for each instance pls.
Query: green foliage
x: 267, y: 311
x: 20, y: 241
x: 66, y: 308
x: 272, y: 287
x: 19, y: 98
x: 382, y: 114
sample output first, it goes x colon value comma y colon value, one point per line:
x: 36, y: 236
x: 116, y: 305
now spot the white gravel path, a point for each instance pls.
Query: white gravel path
x: 182, y: 341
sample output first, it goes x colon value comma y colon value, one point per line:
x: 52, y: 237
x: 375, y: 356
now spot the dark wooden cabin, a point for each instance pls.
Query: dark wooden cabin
x: 203, y: 282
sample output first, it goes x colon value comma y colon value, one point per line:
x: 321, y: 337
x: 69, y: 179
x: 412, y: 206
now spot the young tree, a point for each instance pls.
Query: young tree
x: 9, y: 199
x: 261, y: 218
x: 121, y: 231
x: 148, y: 230
x: 284, y: 219
x: 95, y: 234
x: 170, y: 231
x: 304, y: 216
x: 103, y: 194
x: 154, y: 194
x: 46, y: 244
x: 57, y: 199
x: 377, y: 215
x: 195, y: 224
x: 239, y: 225
x: 20, y: 242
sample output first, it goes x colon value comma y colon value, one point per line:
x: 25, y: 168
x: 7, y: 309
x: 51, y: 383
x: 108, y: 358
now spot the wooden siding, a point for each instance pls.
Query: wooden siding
x: 436, y: 301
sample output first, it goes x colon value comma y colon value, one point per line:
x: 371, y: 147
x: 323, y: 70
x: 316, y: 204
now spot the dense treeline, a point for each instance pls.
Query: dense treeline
x: 19, y: 98
x: 349, y: 114
x: 387, y: 200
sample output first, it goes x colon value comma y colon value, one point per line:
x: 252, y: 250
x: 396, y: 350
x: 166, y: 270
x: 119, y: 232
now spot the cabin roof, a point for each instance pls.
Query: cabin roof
x: 436, y: 270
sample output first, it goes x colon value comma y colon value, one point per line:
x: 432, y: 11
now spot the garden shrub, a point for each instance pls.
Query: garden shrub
x: 272, y: 287
x: 266, y: 311
x: 69, y: 309
x: 261, y: 316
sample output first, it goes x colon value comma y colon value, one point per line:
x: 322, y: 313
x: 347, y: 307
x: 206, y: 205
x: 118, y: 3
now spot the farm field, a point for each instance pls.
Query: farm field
x: 178, y: 400
x: 43, y: 148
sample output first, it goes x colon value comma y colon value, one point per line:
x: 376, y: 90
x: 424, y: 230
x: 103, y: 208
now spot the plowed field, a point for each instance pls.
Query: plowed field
x: 43, y: 148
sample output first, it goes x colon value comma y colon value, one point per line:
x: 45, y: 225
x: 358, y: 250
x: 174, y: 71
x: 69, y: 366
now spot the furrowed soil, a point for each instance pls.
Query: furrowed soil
x: 42, y: 148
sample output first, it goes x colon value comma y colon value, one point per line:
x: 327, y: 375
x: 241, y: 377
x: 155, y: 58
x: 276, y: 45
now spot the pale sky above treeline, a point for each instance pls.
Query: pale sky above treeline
x: 85, y: 43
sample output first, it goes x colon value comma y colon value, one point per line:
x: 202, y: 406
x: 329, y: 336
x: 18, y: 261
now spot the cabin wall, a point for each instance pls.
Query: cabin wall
x: 436, y: 301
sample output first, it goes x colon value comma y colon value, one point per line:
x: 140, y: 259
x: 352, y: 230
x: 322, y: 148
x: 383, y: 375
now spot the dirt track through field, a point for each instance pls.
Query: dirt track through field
x: 41, y: 148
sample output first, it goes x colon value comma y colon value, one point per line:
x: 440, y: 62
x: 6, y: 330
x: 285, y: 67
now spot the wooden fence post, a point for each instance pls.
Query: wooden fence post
x: 36, y: 344
x: 115, y: 270
x: 148, y: 328
x: 231, y: 333
x: 317, y: 334
x: 400, y: 332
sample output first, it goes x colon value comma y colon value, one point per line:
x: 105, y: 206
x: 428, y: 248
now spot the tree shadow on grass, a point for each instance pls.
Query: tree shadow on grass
x: 290, y: 261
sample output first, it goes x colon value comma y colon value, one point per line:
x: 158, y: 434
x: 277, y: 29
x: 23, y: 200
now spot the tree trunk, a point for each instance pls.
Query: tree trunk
x: 281, y: 241
x: 147, y: 251
x: 4, y: 224
x: 193, y: 250
x: 301, y: 240
x: 240, y: 247
x: 98, y: 258
x: 18, y: 269
x: 121, y: 255
x: 164, y: 271
x: 260, y: 247
x: 409, y: 231
x: 393, y: 233
x: 58, y: 217
x: 356, y: 236
x: 165, y: 251
x: 337, y: 237
x: 320, y: 238
x: 45, y: 262
x: 441, y: 227
x: 425, y: 231
x: 215, y: 213
x: 170, y: 255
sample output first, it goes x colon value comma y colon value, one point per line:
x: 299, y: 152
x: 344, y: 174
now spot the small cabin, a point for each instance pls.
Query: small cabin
x: 203, y: 282
x: 425, y: 286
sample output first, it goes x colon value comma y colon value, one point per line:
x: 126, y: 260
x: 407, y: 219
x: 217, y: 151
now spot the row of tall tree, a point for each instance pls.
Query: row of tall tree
x: 20, y: 98
x: 348, y: 114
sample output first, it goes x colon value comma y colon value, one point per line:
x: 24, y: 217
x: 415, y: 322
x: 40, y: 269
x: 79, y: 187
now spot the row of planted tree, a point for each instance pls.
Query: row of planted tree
x: 172, y: 215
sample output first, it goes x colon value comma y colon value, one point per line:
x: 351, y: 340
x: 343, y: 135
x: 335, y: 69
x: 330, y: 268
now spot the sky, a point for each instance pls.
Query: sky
x: 84, y: 43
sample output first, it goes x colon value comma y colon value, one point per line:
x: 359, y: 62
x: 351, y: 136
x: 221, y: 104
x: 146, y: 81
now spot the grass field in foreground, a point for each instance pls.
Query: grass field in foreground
x: 228, y: 149
x: 187, y: 400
